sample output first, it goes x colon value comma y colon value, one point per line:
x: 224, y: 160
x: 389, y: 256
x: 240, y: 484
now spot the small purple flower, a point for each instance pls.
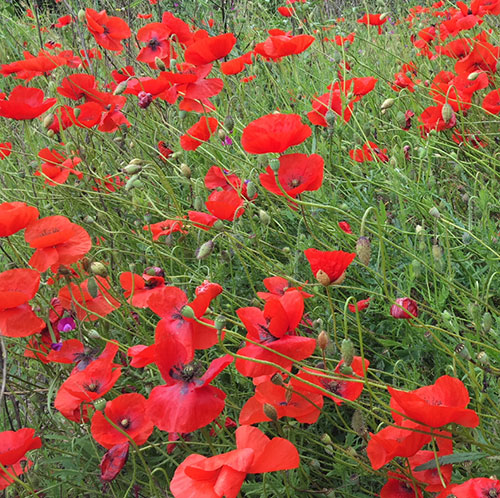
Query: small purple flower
x: 144, y: 99
x: 56, y: 346
x: 66, y: 324
x: 227, y: 140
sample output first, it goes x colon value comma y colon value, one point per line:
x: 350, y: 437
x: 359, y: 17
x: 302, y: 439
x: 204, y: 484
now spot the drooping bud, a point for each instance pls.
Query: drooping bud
x: 363, y: 250
x: 133, y: 182
x: 205, y: 250
x: 323, y: 278
x: 145, y: 99
x: 98, y: 268
x: 288, y: 394
x: 447, y: 112
x: 48, y: 120
x: 92, y: 287
x: 433, y: 211
x: 81, y: 15
x: 100, y: 404
x: 185, y: 170
x: 473, y: 76
x: 182, y: 114
x: 221, y: 133
x: 482, y: 358
x: 437, y: 252
x: 187, y: 312
x: 264, y: 218
x: 387, y: 104
x: 77, y: 111
x: 93, y: 334
x: 132, y: 169
x: 270, y: 412
x: 218, y: 225
x: 358, y: 423
x: 120, y: 88
x: 160, y: 64
x: 251, y: 190
x: 322, y: 340
x: 229, y: 123
x: 274, y: 164
x: 346, y: 369
x: 347, y: 351
x: 330, y: 118
x: 326, y: 439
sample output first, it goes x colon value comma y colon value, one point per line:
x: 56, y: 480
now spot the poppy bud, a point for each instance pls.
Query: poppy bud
x: 160, y: 64
x: 462, y: 351
x: 433, y: 211
x: 185, y: 170
x: 330, y: 118
x: 326, y: 439
x: 264, y: 218
x: 48, y: 120
x: 322, y: 340
x: 387, y: 104
x: 270, y: 412
x: 347, y: 351
x: 277, y: 380
x: 132, y: 169
x: 218, y: 225
x: 132, y: 183
x: 98, y: 268
x: 93, y: 334
x: 120, y: 88
x: 487, y: 322
x: 81, y: 15
x: 358, y: 423
x: 437, y: 252
x: 92, y: 287
x: 323, y: 278
x: 363, y: 250
x: 198, y: 203
x: 346, y: 369
x: 182, y: 114
x: 393, y: 162
x: 221, y: 134
x: 447, y: 112
x: 187, y: 312
x: 384, y: 15
x: 482, y: 358
x: 229, y: 123
x: 145, y: 99
x: 251, y: 189
x: 274, y: 164
x: 205, y: 250
x: 175, y: 155
x: 407, y: 304
x: 220, y: 323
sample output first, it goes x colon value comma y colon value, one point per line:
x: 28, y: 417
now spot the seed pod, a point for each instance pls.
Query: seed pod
x: 322, y: 340
x: 185, y: 170
x: 205, y: 250
x: 220, y: 323
x: 482, y: 358
x: 274, y: 164
x: 323, y: 278
x: 98, y: 268
x: 462, y: 351
x: 347, y: 351
x: 187, y: 312
x: 387, y: 104
x: 277, y: 380
x: 270, y: 412
x: 363, y: 250
x: 447, y: 112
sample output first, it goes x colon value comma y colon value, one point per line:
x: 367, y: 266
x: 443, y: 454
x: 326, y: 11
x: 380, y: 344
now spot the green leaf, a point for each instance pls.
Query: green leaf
x: 454, y: 458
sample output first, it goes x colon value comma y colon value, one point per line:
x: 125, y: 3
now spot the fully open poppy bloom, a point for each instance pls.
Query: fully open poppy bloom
x: 156, y: 35
x: 141, y: 288
x: 5, y: 150
x: 15, y: 216
x: 287, y: 401
x: 436, y: 405
x: 128, y: 412
x: 25, y: 103
x: 281, y: 44
x: 478, y: 487
x: 107, y: 31
x: 57, y: 168
x: 33, y: 66
x: 57, y: 242
x: 164, y: 228
x: 340, y: 387
x: 331, y: 263
x: 297, y: 173
x: 274, y: 327
x: 274, y: 133
x: 483, y: 57
x: 80, y: 86
x: 187, y: 402
x: 88, y: 307
x: 223, y: 475
x: 17, y: 287
x: 199, y: 133
x: 399, y: 486
x: 13, y: 447
x: 209, y: 49
x: 374, y: 20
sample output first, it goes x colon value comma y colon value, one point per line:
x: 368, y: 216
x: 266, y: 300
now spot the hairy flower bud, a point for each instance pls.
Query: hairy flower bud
x: 264, y: 218
x: 160, y: 64
x: 132, y: 169
x: 120, y: 88
x: 330, y: 118
x: 98, y: 268
x: 81, y: 15
x: 220, y: 322
x: 185, y: 170
x: 251, y: 189
x: 447, y: 112
x: 433, y: 211
x: 205, y: 250
x: 487, y: 322
x: 229, y: 123
x: 363, y: 250
x: 322, y: 340
x: 358, y: 423
x: 277, y: 380
x: 270, y: 412
x: 387, y: 104
x: 347, y: 351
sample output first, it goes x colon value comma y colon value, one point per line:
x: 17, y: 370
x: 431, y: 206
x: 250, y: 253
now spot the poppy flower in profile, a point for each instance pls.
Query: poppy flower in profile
x: 128, y: 412
x: 409, y: 311
x: 369, y: 152
x: 199, y: 133
x: 359, y: 306
x: 274, y: 133
x: 436, y: 405
x: 113, y: 461
x: 57, y: 242
x: 187, y: 401
x: 297, y: 173
x: 209, y: 49
x: 491, y: 103
x: 107, y: 31
x: 5, y: 150
x: 277, y: 286
x: 56, y: 168
x: 223, y: 475
x: 164, y: 228
x: 201, y: 220
x: 225, y: 204
x: 329, y: 264
x: 286, y: 11
x: 14, y: 216
x: 237, y: 65
x: 478, y: 487
x: 374, y: 20
x: 17, y: 318
x: 281, y: 44
x: 331, y: 101
x: 25, y: 103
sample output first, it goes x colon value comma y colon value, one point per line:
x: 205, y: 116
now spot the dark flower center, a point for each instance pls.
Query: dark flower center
x: 334, y: 387
x: 125, y: 423
x: 153, y: 44
x: 295, y: 182
x: 265, y: 335
x: 186, y: 373
x: 93, y: 387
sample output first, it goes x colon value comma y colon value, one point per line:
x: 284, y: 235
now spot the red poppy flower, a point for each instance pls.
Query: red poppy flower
x: 359, y: 306
x: 15, y: 216
x: 400, y: 487
x: 5, y: 150
x: 217, y: 177
x: 156, y: 36
x: 78, y: 86
x: 63, y: 21
x: 274, y: 327
x: 305, y: 407
x: 333, y: 263
x: 297, y: 173
x: 209, y: 49
x: 168, y: 303
x: 491, y: 102
x: 107, y: 31
x: 408, y: 304
x: 277, y: 286
x: 274, y: 133
x: 436, y: 405
x: 57, y: 168
x: 187, y: 402
x: 483, y: 57
x: 478, y: 487
x: 199, y: 133
x: 167, y: 227
x: 141, y: 355
x: 17, y: 287
x: 225, y: 204
x: 237, y: 65
x: 113, y: 461
x: 345, y: 227
x: 89, y: 307
x: 223, y: 475
x: 286, y: 11
x: 331, y: 101
x: 6, y: 479
x: 374, y: 20
x: 369, y: 152
x: 202, y: 220
x: 57, y: 242
x: 165, y: 152
x: 14, y: 445
x: 140, y: 288
x: 281, y: 44
x: 25, y: 103
x: 128, y: 412
x: 432, y: 119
